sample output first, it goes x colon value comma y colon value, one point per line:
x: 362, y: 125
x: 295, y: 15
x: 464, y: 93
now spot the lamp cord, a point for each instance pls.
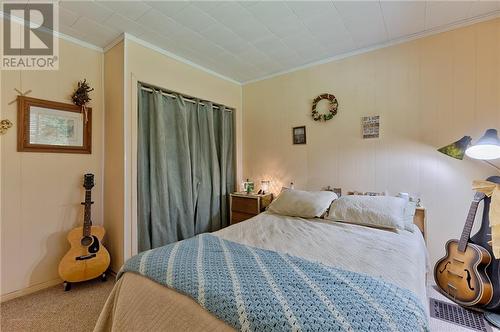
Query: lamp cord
x: 492, y: 165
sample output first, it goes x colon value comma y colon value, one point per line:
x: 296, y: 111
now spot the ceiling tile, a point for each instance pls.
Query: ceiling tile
x: 245, y: 40
x: 74, y: 33
x: 329, y: 29
x: 312, y: 54
x: 96, y: 33
x: 301, y: 41
x: 224, y: 37
x: 270, y: 42
x: 285, y: 26
x: 169, y: 8
x: 403, y: 18
x: 439, y: 13
x: 250, y: 31
x: 160, y: 24
x: 160, y: 41
x: 275, y: 49
x: 207, y: 6
x: 88, y: 9
x: 252, y: 55
x: 194, y: 18
x: 363, y: 20
x: 121, y: 23
x: 306, y: 9
x: 248, y: 3
x: 231, y: 14
x: 66, y: 16
x: 281, y: 53
x: 131, y: 9
x: 269, y: 11
x: 203, y: 46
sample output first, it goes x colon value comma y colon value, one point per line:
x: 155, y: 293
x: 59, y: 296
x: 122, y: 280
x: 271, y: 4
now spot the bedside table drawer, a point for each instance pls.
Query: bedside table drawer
x: 240, y: 216
x: 245, y: 205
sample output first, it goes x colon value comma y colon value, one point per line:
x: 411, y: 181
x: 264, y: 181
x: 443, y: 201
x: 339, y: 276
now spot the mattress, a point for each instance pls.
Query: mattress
x: 139, y: 304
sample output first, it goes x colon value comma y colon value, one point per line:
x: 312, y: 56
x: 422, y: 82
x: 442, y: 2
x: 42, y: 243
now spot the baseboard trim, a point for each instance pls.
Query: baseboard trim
x: 38, y: 287
x: 29, y: 290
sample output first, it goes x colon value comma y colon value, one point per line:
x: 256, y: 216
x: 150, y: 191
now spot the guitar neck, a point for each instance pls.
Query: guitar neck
x: 464, y: 239
x: 87, y: 221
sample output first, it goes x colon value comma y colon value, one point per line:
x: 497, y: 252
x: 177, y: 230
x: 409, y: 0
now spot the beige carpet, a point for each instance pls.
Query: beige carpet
x: 54, y: 310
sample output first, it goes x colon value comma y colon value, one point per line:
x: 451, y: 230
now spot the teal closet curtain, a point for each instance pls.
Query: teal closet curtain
x: 186, y: 168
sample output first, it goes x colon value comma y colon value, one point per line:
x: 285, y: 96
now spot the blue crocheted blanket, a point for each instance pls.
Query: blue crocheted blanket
x: 261, y: 290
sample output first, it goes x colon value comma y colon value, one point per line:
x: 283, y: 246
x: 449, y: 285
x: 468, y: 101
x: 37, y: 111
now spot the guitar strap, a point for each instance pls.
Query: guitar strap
x: 492, y: 190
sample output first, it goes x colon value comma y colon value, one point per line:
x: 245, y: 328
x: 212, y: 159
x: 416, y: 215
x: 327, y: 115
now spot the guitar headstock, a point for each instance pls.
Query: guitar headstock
x: 88, y: 181
x: 478, y: 196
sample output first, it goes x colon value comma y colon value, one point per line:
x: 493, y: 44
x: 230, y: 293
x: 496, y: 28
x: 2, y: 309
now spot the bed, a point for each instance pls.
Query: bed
x: 396, y: 258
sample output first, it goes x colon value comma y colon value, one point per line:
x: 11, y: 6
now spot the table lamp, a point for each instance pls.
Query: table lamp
x: 264, y: 186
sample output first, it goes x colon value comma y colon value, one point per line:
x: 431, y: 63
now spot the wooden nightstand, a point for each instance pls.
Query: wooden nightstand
x: 245, y: 206
x: 419, y: 220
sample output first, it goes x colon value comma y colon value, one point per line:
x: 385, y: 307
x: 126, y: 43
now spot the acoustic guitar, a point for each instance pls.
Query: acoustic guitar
x: 87, y: 258
x: 461, y: 274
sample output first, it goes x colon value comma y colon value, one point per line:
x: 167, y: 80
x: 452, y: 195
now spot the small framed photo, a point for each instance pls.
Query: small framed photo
x: 299, y: 135
x: 49, y: 126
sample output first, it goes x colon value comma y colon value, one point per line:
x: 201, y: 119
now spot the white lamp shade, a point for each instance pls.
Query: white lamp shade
x: 486, y: 148
x: 264, y: 185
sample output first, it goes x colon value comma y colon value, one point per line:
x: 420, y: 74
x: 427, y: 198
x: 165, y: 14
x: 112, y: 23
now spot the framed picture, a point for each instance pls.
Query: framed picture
x: 49, y: 126
x: 371, y: 126
x: 299, y: 135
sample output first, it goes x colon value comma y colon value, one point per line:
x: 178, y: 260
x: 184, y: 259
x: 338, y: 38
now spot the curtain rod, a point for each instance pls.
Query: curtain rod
x: 169, y: 93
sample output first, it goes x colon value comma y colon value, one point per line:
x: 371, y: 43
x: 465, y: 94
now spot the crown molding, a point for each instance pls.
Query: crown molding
x: 153, y: 47
x: 426, y: 33
x: 115, y: 42
x: 78, y: 42
x: 58, y: 34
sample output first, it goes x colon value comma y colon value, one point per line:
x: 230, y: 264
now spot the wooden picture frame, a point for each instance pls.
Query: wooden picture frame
x: 54, y: 130
x: 299, y: 135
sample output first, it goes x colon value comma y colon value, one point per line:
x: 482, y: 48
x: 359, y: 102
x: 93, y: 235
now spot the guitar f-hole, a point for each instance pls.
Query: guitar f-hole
x: 469, y: 280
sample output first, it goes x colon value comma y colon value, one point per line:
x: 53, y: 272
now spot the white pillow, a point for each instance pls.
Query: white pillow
x: 409, y: 215
x: 409, y: 212
x: 298, y: 203
x: 375, y: 211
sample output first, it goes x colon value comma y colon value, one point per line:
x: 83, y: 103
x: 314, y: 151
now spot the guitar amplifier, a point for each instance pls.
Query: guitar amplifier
x: 482, y: 238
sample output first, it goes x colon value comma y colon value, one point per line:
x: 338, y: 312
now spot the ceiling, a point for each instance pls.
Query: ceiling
x: 253, y: 39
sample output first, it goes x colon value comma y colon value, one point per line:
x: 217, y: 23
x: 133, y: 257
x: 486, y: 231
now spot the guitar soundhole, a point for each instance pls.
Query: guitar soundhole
x: 86, y: 241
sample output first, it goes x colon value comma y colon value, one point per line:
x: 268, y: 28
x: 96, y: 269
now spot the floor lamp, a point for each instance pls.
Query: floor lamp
x: 486, y: 148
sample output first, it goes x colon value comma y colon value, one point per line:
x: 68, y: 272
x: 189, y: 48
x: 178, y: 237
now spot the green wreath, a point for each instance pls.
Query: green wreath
x: 332, y: 110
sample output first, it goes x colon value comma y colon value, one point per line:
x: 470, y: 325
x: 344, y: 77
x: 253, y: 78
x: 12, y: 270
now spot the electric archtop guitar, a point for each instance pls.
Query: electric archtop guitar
x: 461, y: 274
x: 87, y: 258
x: 483, y: 238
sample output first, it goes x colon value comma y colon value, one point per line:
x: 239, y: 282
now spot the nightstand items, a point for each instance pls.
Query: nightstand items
x: 245, y: 206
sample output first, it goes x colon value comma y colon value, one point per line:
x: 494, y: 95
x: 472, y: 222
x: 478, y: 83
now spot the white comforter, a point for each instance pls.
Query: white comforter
x: 397, y: 257
x: 140, y: 304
